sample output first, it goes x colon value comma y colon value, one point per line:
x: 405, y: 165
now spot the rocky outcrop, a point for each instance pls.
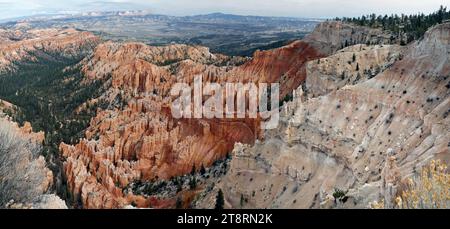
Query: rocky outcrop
x: 24, y: 177
x: 285, y: 65
x: 136, y: 138
x: 139, y: 140
x: 331, y: 36
x: 390, y: 180
x: 349, y: 66
x: 288, y: 65
x: 47, y: 201
x: 109, y: 56
x: 340, y: 140
x: 28, y: 45
x: 6, y: 109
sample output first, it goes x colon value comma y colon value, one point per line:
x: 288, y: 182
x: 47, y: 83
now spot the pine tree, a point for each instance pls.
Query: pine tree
x: 179, y: 187
x: 219, y: 200
x: 202, y: 170
x: 179, y: 203
x: 193, y: 183
x: 357, y: 66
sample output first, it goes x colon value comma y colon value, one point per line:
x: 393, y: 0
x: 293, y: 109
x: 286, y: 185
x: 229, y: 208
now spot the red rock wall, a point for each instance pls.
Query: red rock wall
x: 142, y: 141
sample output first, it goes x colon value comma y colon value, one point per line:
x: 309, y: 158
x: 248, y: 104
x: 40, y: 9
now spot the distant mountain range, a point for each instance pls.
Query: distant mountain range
x: 215, y: 15
x: 222, y: 33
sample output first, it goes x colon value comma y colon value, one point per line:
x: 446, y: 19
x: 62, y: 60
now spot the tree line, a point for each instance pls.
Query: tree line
x: 412, y: 26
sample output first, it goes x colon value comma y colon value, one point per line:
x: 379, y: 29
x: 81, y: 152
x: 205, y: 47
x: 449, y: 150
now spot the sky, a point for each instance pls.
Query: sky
x: 289, y: 8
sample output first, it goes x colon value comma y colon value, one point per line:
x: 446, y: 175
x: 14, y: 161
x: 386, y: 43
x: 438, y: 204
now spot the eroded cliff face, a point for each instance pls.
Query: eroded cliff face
x: 331, y: 36
x: 285, y: 65
x: 26, y: 130
x: 370, y: 114
x: 349, y: 66
x: 28, y: 45
x: 357, y: 137
x: 135, y: 137
x: 25, y: 179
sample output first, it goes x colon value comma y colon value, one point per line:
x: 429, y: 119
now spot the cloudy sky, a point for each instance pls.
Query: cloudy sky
x: 293, y: 8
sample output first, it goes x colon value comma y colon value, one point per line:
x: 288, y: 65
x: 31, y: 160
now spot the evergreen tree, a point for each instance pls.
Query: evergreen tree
x: 179, y: 187
x: 193, y: 183
x: 202, y: 170
x: 220, y: 202
x: 179, y: 203
x: 412, y: 26
x: 241, y: 202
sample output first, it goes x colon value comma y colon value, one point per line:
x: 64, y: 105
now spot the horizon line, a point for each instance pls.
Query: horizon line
x: 149, y: 12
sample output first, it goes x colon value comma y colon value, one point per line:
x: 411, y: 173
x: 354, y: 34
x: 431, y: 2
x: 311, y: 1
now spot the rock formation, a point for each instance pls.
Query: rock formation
x: 340, y: 139
x: 331, y: 36
x: 137, y: 139
x: 390, y: 180
x: 349, y: 66
x: 27, y: 45
x: 24, y: 177
x: 355, y: 95
x: 140, y: 140
x: 47, y: 201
